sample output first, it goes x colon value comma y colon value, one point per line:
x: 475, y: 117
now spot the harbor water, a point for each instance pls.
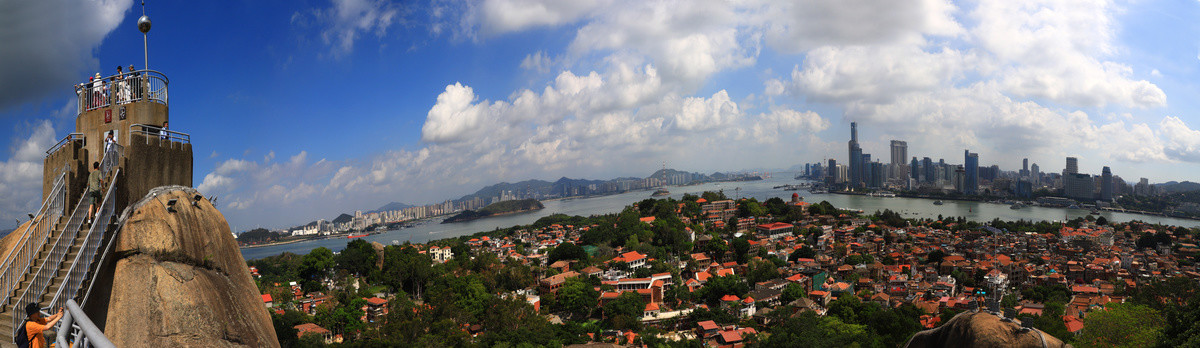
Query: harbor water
x: 762, y: 190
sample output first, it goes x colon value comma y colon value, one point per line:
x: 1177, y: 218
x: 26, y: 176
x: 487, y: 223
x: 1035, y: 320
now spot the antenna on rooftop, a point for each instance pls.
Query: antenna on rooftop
x: 143, y: 25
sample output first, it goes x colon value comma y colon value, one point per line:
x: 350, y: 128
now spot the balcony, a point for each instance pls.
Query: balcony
x: 134, y: 86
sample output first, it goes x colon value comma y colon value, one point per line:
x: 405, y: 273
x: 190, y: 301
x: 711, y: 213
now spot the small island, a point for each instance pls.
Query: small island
x: 498, y: 208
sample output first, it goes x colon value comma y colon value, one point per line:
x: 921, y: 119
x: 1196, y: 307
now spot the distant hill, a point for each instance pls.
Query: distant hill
x: 344, y: 218
x: 392, y: 206
x: 498, y: 208
x: 1174, y: 186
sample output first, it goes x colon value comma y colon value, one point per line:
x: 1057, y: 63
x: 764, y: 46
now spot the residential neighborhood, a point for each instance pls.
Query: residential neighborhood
x: 712, y: 271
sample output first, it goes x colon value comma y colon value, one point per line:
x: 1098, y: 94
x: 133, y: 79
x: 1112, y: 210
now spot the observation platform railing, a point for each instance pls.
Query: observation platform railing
x: 133, y: 86
x: 156, y: 131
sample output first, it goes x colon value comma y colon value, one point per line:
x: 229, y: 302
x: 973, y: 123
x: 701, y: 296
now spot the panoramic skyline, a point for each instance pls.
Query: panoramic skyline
x: 300, y: 110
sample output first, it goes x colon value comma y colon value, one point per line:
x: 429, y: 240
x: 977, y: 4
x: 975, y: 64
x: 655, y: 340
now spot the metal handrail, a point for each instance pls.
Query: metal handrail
x: 87, y: 252
x: 16, y: 263
x: 69, y: 138
x: 82, y: 332
x: 156, y: 131
x: 112, y: 157
x: 49, y: 266
x: 148, y: 85
x: 52, y: 264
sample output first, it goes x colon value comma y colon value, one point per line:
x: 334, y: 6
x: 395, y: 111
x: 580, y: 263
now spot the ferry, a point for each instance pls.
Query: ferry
x: 882, y: 194
x: 937, y: 202
x: 661, y: 192
x: 1017, y: 205
x: 356, y: 236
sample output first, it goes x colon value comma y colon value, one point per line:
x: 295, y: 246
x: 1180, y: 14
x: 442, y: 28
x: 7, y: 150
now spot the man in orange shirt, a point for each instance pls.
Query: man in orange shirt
x: 36, y: 325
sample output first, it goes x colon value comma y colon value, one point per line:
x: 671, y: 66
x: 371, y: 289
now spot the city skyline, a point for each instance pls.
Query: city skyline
x: 304, y: 109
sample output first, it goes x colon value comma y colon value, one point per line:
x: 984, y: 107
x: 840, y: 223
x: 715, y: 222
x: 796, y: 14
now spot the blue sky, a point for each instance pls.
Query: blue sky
x: 303, y: 109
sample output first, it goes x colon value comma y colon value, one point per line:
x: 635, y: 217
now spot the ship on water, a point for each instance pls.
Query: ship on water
x: 660, y: 192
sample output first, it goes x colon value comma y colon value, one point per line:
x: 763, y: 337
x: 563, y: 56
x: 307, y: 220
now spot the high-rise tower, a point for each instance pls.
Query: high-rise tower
x: 1106, y: 185
x: 971, y: 169
x: 899, y: 152
x: 1072, y: 166
x: 855, y: 157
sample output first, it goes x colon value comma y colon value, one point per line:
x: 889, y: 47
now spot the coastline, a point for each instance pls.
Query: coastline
x: 961, y: 199
x: 492, y: 215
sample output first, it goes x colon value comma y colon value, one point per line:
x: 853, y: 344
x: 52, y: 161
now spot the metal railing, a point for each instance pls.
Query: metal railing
x: 52, y: 264
x: 48, y: 269
x: 65, y: 140
x: 139, y: 85
x: 79, y: 329
x: 156, y: 131
x: 112, y: 158
x: 82, y: 263
x: 16, y: 263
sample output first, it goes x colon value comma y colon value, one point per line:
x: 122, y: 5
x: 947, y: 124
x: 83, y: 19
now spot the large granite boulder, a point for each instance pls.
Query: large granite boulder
x: 983, y: 330
x: 180, y: 280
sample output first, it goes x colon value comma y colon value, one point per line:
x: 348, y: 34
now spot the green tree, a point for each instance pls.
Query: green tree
x: 805, y: 252
x: 1121, y: 325
x: 577, y: 297
x: 792, y: 292
x: 315, y: 267
x: 758, y: 271
x: 625, y: 312
x: 566, y: 251
x: 357, y: 258
x: 806, y: 329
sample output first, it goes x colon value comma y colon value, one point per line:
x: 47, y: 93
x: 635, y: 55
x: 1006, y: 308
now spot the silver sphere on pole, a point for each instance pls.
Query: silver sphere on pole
x: 144, y: 24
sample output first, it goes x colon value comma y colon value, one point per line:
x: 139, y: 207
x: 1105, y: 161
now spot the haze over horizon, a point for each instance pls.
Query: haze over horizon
x: 299, y: 110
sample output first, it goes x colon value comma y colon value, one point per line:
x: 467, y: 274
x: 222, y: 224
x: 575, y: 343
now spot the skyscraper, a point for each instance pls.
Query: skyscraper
x: 899, y: 152
x: 1035, y: 173
x: 915, y: 169
x: 865, y: 174
x: 1072, y: 166
x: 855, y: 163
x: 1025, y: 164
x: 1106, y: 185
x: 971, y: 169
x: 930, y: 171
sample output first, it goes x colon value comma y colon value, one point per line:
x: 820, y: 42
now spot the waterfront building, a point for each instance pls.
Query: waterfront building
x: 855, y: 157
x: 914, y: 169
x: 1106, y: 185
x: 899, y: 152
x: 971, y: 167
x: 1072, y: 166
x: 1035, y: 174
x: 930, y: 171
x: 1079, y: 186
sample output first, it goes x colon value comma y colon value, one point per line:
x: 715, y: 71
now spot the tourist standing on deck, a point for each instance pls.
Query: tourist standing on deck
x: 135, y: 85
x: 163, y: 132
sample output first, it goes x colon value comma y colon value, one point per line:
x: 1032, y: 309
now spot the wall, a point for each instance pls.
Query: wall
x: 151, y: 162
x: 93, y: 126
x: 72, y: 156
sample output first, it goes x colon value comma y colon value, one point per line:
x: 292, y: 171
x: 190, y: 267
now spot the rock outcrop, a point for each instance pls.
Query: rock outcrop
x: 179, y: 279
x: 983, y: 330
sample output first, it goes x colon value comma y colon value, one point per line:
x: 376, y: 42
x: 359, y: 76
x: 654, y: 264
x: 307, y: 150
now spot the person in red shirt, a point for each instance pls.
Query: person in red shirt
x: 36, y: 325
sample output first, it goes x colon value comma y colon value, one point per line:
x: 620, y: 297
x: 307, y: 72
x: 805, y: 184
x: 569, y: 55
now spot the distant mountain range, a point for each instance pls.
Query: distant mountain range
x: 1175, y: 186
x: 565, y: 187
x: 392, y: 206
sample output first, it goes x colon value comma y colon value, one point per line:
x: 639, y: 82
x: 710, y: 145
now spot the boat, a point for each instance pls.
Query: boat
x: 356, y: 236
x: 937, y: 202
x: 1017, y: 205
x: 660, y: 193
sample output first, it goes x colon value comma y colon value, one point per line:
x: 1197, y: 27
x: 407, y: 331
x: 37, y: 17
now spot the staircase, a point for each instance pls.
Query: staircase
x: 7, y: 317
x: 49, y: 267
